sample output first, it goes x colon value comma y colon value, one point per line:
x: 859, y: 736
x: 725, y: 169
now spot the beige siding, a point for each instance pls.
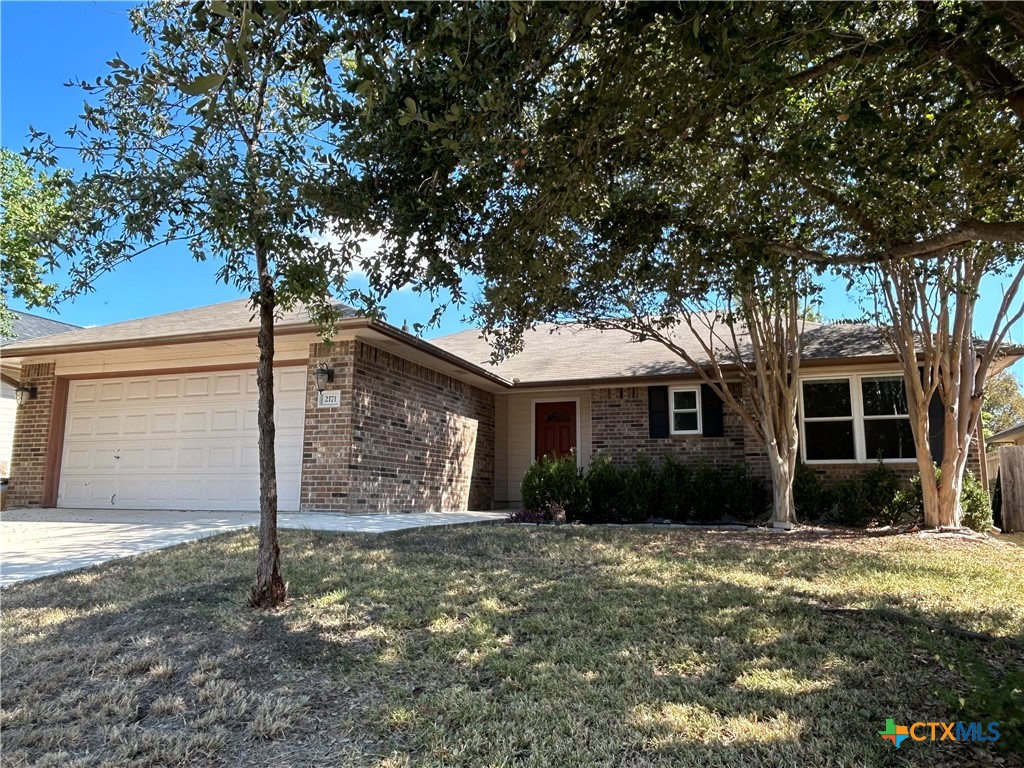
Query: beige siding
x: 501, y: 485
x: 8, y: 409
x: 173, y: 356
x: 520, y: 432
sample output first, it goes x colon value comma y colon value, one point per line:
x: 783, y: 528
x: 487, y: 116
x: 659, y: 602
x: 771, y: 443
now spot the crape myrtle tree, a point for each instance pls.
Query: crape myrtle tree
x: 32, y: 211
x: 209, y: 141
x: 927, y: 309
x: 549, y: 148
x: 918, y: 160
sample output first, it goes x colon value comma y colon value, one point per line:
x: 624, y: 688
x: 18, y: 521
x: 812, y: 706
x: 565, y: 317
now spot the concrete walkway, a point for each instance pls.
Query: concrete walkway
x: 39, y: 542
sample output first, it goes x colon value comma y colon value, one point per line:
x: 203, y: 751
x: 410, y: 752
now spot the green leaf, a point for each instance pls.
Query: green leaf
x: 410, y: 105
x: 202, y: 85
x: 221, y: 8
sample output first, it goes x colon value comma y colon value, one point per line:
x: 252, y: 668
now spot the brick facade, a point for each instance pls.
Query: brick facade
x: 620, y: 430
x: 31, y: 435
x: 327, y: 440
x: 406, y: 438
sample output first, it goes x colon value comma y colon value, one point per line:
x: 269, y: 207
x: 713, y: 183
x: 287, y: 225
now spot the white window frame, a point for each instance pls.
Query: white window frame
x: 857, y: 407
x: 672, y: 410
x: 883, y: 417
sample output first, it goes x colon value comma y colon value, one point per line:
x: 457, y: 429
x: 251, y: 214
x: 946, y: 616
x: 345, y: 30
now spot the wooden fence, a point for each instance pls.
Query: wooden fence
x: 1011, y: 473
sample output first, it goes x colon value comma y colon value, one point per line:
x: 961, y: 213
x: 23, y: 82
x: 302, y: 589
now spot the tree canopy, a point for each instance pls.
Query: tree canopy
x: 32, y: 211
x: 549, y: 146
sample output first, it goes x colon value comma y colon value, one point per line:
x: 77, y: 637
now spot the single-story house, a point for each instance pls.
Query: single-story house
x: 24, y: 327
x: 160, y: 413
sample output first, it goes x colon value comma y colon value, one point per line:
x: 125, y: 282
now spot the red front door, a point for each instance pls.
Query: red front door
x: 555, y: 428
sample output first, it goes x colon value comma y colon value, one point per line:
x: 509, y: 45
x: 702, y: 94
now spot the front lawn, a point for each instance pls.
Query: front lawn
x: 511, y: 646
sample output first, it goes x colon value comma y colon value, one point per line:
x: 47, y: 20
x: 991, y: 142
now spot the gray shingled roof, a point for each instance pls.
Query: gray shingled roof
x: 574, y: 353
x: 224, y: 317
x: 1010, y: 435
x: 25, y: 326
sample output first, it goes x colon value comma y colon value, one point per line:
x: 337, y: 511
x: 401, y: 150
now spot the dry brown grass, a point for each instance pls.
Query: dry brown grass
x: 509, y: 646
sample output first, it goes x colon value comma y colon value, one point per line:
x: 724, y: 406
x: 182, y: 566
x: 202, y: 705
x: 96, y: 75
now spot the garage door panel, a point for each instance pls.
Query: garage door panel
x: 80, y: 426
x: 167, y: 388
x: 178, y: 442
x: 110, y: 391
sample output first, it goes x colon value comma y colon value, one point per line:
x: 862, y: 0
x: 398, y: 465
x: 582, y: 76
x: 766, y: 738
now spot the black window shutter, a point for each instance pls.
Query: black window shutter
x: 936, y: 427
x: 657, y: 411
x: 711, y: 412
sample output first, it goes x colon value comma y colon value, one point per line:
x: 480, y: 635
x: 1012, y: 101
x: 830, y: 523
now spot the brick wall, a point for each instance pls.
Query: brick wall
x: 422, y: 441
x: 327, y: 440
x: 621, y: 431
x: 31, y: 435
x: 405, y: 438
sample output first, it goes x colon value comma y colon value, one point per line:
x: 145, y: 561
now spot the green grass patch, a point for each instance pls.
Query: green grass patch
x: 511, y: 646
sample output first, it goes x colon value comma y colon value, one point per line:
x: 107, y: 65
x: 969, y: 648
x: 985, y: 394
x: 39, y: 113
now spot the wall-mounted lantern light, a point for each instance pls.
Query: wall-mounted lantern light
x: 324, y: 376
x: 23, y: 393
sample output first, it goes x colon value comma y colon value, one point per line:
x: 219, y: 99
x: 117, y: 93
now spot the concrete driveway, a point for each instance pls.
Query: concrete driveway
x: 39, y: 542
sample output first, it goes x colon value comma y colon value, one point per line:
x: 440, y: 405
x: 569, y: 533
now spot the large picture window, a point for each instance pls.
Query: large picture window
x: 828, y: 421
x: 887, y: 432
x: 685, y: 415
x: 856, y: 418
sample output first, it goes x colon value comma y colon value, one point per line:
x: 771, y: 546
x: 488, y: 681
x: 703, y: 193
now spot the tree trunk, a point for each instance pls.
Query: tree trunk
x: 783, y: 466
x: 270, y: 589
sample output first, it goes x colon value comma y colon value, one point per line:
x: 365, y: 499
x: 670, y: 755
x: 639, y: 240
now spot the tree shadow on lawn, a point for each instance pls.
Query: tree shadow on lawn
x: 489, y: 646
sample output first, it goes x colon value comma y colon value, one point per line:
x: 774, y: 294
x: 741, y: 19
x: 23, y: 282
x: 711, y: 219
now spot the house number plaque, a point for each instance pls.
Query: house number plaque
x: 329, y: 399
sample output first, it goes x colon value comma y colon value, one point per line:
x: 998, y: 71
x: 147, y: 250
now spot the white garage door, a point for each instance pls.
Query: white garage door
x: 178, y: 441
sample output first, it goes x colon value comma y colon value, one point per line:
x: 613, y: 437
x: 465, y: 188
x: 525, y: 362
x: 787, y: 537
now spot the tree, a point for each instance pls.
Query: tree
x: 748, y: 326
x: 204, y: 143
x: 928, y: 308
x: 532, y: 144
x: 1004, y: 403
x: 33, y: 208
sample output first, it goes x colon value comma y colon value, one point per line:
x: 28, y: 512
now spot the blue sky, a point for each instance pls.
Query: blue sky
x: 44, y: 44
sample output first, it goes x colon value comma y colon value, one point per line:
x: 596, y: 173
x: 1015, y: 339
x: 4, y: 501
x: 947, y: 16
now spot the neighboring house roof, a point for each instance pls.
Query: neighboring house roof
x: 1011, y: 435
x: 231, y: 318
x: 570, y: 353
x: 25, y: 326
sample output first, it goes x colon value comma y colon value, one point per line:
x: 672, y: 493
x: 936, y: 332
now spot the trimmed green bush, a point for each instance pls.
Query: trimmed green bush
x: 974, y: 501
x: 674, y: 490
x: 706, y: 493
x: 745, y: 496
x: 638, y: 498
x: 603, y: 489
x: 867, y: 499
x: 556, y: 481
x: 811, y: 498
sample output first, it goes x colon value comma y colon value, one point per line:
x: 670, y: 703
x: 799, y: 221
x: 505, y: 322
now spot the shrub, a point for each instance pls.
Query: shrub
x: 866, y: 499
x: 974, y: 501
x: 674, y: 490
x: 603, y: 488
x: 811, y: 498
x: 706, y: 493
x: 556, y: 481
x: 745, y: 496
x: 638, y: 497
